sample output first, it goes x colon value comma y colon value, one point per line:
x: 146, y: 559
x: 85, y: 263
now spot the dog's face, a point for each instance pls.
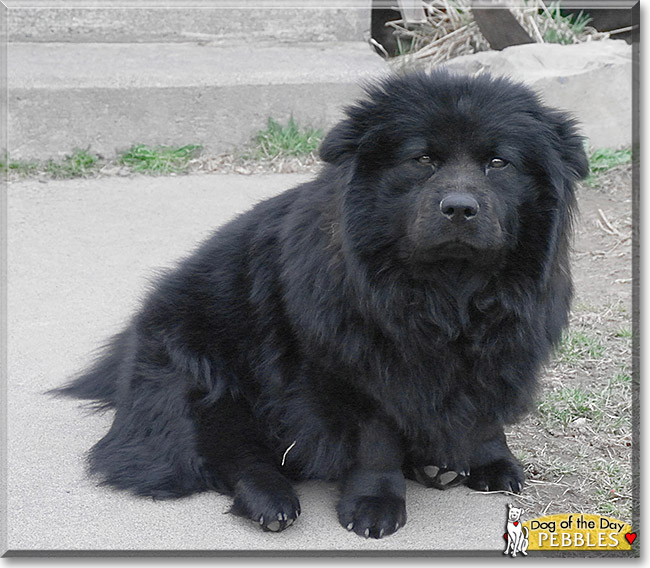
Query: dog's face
x: 514, y: 513
x: 453, y: 199
x: 448, y: 170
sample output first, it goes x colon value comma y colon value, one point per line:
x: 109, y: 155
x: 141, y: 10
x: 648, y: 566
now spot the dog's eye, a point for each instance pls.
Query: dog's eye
x: 497, y: 163
x: 427, y: 160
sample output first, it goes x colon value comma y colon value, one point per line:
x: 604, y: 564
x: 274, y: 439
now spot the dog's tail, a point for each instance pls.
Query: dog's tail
x: 100, y: 382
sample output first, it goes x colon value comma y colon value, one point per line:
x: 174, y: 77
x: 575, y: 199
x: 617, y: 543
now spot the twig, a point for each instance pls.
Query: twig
x: 608, y: 226
x: 378, y: 45
x: 284, y: 456
x: 621, y: 30
x: 426, y: 51
x: 538, y: 35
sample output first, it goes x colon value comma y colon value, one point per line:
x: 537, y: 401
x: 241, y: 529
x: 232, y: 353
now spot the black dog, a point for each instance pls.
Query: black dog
x: 390, y: 314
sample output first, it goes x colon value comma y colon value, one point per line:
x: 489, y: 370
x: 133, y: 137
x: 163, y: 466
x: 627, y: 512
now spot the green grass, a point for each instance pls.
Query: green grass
x: 564, y: 28
x: 156, y: 160
x: 80, y: 163
x: 614, y: 481
x: 279, y: 140
x: 276, y: 141
x: 624, y: 333
x: 621, y: 379
x: 578, y: 345
x: 23, y: 168
x: 605, y: 409
x: 565, y: 405
x: 605, y: 159
x: 557, y: 467
x: 405, y: 45
x: 159, y: 160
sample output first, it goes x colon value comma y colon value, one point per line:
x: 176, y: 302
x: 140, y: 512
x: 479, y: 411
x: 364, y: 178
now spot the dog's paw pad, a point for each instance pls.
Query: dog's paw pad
x: 274, y: 526
x: 439, y: 477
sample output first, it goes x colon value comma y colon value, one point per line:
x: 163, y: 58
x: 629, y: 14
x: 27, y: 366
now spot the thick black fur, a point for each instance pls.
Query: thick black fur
x: 356, y: 318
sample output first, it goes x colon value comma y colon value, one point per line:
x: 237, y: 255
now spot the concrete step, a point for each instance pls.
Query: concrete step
x: 173, y: 21
x: 108, y: 96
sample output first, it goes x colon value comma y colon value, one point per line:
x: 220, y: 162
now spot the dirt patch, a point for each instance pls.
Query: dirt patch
x: 236, y: 164
x: 577, y: 447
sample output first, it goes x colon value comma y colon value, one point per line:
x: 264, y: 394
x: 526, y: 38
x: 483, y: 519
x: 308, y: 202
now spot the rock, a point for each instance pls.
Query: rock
x: 579, y: 422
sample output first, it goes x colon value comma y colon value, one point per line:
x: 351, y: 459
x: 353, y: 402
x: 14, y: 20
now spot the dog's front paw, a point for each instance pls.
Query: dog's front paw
x: 269, y: 501
x: 500, y: 475
x: 372, y: 516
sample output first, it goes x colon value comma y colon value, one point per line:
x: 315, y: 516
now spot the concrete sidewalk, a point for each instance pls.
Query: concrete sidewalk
x: 80, y: 256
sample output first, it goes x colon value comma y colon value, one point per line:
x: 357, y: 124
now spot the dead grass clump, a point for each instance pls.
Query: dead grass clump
x: 451, y: 31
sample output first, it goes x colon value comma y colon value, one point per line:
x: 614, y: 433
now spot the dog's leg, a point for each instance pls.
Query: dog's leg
x: 239, y: 463
x: 494, y: 468
x: 517, y: 545
x: 373, y: 491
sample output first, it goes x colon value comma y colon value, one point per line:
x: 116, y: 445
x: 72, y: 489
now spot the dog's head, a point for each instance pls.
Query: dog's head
x: 514, y: 513
x: 446, y: 168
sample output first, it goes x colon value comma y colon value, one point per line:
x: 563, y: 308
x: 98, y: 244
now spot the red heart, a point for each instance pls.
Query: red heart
x: 505, y: 535
x: 630, y: 537
x: 516, y: 523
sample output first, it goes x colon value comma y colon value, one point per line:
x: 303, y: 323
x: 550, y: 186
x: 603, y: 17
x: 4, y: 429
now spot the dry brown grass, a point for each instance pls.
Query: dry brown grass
x: 235, y: 163
x: 451, y: 31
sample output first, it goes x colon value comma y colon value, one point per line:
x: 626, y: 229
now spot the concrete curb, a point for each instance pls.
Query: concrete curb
x: 137, y: 21
x: 110, y: 96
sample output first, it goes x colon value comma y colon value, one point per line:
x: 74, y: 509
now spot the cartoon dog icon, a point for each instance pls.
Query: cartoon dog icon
x: 517, y: 533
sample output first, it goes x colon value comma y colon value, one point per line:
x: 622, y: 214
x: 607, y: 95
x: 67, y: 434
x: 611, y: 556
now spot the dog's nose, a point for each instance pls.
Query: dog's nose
x: 459, y: 207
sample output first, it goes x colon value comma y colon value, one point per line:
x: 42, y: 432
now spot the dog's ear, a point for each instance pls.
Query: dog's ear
x: 564, y: 159
x: 340, y: 143
x: 346, y: 139
x: 570, y: 146
x: 565, y: 163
